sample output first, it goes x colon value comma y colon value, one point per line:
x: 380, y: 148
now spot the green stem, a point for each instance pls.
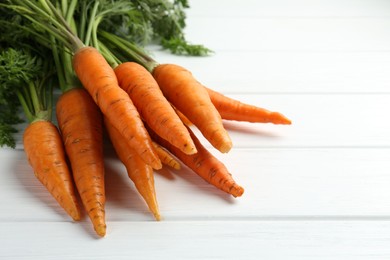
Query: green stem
x: 59, y: 67
x: 40, y: 97
x: 109, y: 56
x: 25, y: 93
x: 45, y: 87
x: 45, y: 5
x: 70, y: 11
x: 34, y: 98
x: 25, y: 106
x: 49, y: 101
x: 82, y: 21
x: 53, y: 22
x: 37, y: 16
x: 94, y: 32
x: 65, y: 28
x: 90, y: 25
x: 130, y: 50
x: 64, y: 6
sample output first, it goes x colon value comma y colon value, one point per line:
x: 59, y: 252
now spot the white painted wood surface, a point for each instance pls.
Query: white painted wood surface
x: 318, y: 189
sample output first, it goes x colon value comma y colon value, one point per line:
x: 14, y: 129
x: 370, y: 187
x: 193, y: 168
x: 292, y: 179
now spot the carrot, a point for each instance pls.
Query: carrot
x: 232, y: 109
x: 45, y: 152
x: 138, y: 171
x: 190, y: 98
x: 183, y: 118
x: 80, y: 124
x: 205, y: 164
x: 100, y: 80
x: 153, y: 106
x: 166, y: 158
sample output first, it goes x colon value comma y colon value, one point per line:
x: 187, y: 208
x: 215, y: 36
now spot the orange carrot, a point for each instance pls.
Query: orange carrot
x: 205, y: 164
x: 45, y: 152
x: 153, y: 106
x: 183, y: 118
x: 81, y: 127
x: 166, y: 158
x: 138, y: 171
x: 190, y: 98
x: 100, y: 80
x: 232, y: 109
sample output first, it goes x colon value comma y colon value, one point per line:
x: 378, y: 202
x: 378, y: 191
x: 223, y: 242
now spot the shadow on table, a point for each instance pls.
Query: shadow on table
x: 34, y: 189
x: 251, y: 129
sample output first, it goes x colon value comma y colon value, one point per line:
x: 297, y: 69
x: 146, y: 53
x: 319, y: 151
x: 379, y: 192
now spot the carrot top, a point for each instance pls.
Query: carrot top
x: 22, y: 84
x: 31, y: 83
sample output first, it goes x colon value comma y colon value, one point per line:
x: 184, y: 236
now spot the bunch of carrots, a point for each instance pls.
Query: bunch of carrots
x: 109, y: 83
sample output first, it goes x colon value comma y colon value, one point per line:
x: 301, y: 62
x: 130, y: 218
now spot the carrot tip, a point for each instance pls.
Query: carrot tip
x: 157, y: 216
x: 190, y: 150
x: 225, y: 147
x: 177, y: 167
x: 237, y: 191
x: 75, y: 214
x: 101, y: 230
x: 287, y: 121
x: 157, y: 165
x: 280, y: 119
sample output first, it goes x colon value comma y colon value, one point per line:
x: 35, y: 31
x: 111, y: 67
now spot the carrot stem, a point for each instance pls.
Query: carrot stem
x: 88, y: 34
x: 129, y: 51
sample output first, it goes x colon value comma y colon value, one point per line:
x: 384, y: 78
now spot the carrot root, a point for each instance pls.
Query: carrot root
x: 183, y: 118
x: 153, y: 107
x: 138, y: 171
x: 231, y: 109
x: 80, y: 124
x: 45, y: 152
x: 166, y: 158
x: 191, y: 99
x: 206, y: 165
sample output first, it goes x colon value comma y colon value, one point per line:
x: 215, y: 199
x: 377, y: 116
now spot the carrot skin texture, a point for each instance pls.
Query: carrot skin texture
x: 190, y: 98
x: 81, y: 127
x: 138, y: 171
x: 166, y: 158
x: 153, y: 107
x: 183, y: 118
x: 206, y: 165
x: 231, y: 109
x: 46, y: 154
x: 100, y: 80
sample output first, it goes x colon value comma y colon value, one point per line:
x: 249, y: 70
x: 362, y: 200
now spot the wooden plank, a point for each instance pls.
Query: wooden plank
x: 199, y: 240
x: 279, y: 183
x: 291, y: 33
x: 297, y: 8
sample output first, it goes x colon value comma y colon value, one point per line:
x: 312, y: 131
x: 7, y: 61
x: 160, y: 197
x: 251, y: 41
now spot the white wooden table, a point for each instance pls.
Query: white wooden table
x: 318, y: 189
